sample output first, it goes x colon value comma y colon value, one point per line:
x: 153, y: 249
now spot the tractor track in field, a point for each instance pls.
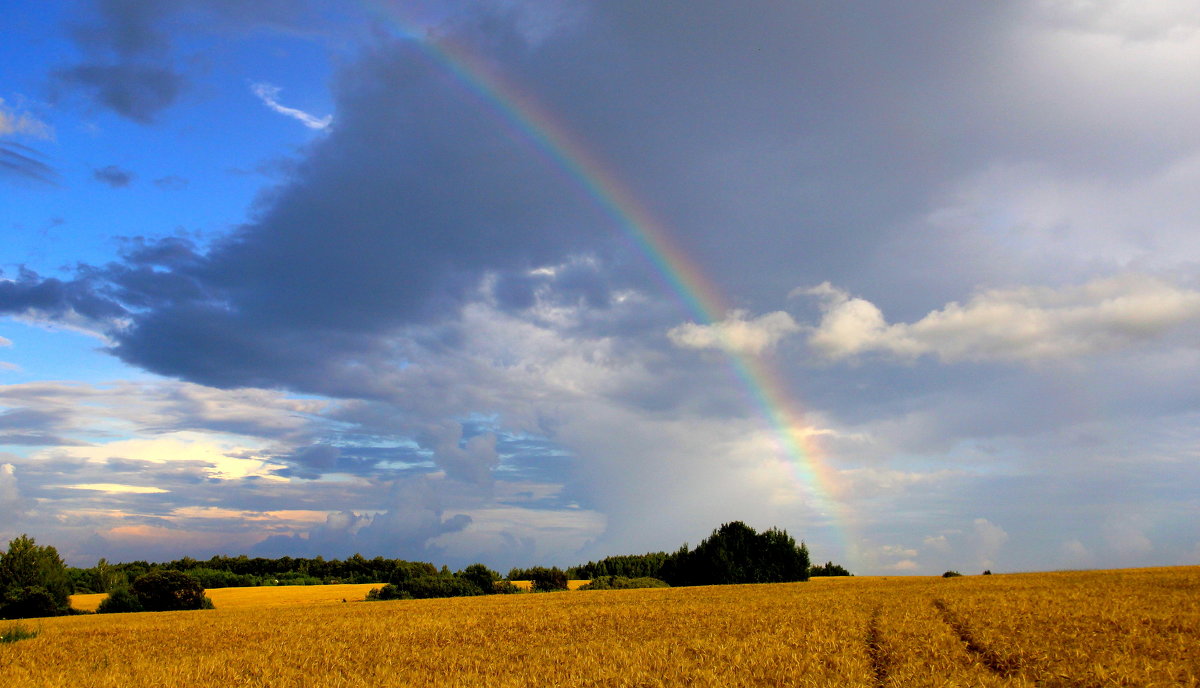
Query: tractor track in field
x: 1003, y: 666
x: 875, y: 651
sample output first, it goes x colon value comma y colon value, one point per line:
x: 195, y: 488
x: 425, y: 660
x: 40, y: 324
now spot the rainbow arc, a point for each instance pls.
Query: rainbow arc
x: 522, y: 113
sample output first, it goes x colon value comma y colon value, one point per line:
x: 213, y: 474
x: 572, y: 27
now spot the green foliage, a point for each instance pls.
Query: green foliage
x: 119, y: 601
x: 505, y: 588
x: 542, y: 579
x: 423, y: 587
x: 736, y: 553
x: 243, y: 571
x: 828, y: 569
x: 546, y: 579
x: 162, y: 591
x: 33, y: 581
x: 623, y: 583
x: 220, y: 578
x: 987, y: 572
x: 480, y: 576
x: 15, y: 632
x: 647, y: 565
x: 951, y: 574
x: 388, y: 592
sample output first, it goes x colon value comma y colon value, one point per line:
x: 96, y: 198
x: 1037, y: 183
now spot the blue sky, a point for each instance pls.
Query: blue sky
x: 279, y: 280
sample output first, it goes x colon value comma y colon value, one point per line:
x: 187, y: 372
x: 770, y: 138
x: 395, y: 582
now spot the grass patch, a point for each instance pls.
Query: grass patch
x: 16, y: 632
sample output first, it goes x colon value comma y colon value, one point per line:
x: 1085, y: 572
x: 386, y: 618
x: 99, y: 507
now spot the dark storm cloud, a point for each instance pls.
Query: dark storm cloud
x: 113, y: 176
x: 756, y: 149
x: 391, y: 221
x: 56, y: 299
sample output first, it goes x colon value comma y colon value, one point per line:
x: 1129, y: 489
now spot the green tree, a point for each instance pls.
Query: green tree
x: 33, y: 581
x: 829, y: 569
x: 547, y: 579
x: 736, y: 553
x: 481, y: 577
x: 161, y: 591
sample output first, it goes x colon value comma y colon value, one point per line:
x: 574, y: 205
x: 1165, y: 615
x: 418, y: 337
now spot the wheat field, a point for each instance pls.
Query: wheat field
x: 1104, y: 628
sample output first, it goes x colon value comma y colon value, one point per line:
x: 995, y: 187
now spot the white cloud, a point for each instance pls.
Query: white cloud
x: 5, y: 365
x: 1075, y: 554
x: 12, y: 504
x: 22, y: 123
x: 897, y: 551
x: 116, y: 488
x: 1020, y: 324
x: 736, y: 333
x: 268, y: 94
x: 1125, y: 537
x: 223, y: 458
x: 988, y: 538
x: 8, y: 485
x: 1174, y: 20
x: 938, y: 543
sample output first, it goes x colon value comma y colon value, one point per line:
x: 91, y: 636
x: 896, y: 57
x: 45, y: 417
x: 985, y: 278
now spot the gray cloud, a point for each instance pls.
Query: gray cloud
x: 137, y: 92
x: 23, y: 162
x: 130, y: 64
x: 412, y: 518
x: 113, y: 176
x: 1009, y: 183
x: 171, y: 182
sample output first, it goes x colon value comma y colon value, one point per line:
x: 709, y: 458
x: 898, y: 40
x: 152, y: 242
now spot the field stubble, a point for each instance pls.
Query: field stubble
x: 1071, y: 629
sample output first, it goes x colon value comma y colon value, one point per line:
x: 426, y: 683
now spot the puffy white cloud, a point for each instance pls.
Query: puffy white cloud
x: 1022, y: 324
x: 1125, y: 536
x: 736, y: 333
x: 13, y: 505
x: 937, y: 542
x: 1075, y: 554
x: 897, y: 551
x: 15, y: 122
x: 987, y: 539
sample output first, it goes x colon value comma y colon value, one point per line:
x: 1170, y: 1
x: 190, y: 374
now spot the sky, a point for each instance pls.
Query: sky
x: 537, y: 283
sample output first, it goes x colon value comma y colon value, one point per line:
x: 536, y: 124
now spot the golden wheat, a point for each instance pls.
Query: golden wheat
x: 1072, y: 629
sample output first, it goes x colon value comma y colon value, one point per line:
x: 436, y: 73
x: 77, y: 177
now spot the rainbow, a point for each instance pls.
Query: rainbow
x: 521, y: 112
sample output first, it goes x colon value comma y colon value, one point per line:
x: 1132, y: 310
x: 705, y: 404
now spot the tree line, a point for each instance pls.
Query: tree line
x: 34, y: 581
x: 242, y: 571
x: 734, y: 553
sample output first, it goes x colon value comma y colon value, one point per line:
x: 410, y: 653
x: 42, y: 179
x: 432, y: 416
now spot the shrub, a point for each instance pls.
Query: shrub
x: 987, y: 572
x: 162, y: 591
x: 951, y: 574
x: 388, y: 592
x: 424, y: 587
x: 16, y: 632
x: 547, y: 580
x: 505, y: 588
x: 31, y: 601
x: 623, y: 583
x: 480, y: 576
x: 119, y: 601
